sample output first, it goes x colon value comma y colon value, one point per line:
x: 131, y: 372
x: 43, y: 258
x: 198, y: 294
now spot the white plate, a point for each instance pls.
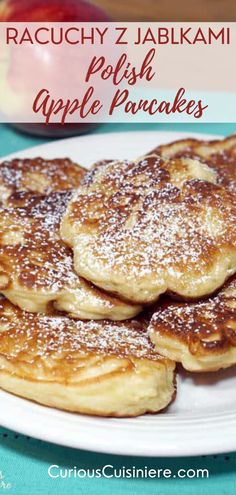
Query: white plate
x: 202, y: 420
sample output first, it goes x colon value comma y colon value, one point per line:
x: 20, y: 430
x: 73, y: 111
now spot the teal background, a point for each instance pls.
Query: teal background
x: 24, y: 461
x: 11, y: 140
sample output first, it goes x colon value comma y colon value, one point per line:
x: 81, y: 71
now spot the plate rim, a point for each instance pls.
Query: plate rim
x: 47, y: 433
x: 174, y: 136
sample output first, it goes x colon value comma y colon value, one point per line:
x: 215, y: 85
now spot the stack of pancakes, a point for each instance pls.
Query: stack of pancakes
x: 109, y: 277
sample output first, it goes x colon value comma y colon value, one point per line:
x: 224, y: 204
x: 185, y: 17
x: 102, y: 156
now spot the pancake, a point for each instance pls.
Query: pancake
x: 38, y: 176
x: 220, y: 155
x: 101, y: 368
x: 201, y: 335
x: 36, y: 267
x: 140, y: 229
x: 99, y: 163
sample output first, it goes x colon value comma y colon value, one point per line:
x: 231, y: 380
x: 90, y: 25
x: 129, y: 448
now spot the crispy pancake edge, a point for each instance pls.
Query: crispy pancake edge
x: 99, y: 368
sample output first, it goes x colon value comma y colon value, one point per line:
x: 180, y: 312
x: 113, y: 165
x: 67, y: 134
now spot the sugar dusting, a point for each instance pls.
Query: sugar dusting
x: 219, y: 155
x: 41, y: 259
x: 42, y: 336
x: 211, y: 322
x: 39, y: 176
x: 140, y: 223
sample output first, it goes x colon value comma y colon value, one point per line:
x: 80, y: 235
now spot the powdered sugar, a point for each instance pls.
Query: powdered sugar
x: 47, y: 335
x: 140, y: 225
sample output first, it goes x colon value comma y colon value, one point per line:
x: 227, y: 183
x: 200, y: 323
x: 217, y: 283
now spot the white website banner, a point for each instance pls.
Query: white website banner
x: 117, y: 72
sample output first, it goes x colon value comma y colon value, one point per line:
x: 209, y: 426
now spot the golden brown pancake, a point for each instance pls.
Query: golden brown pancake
x: 140, y: 229
x: 38, y: 176
x: 102, y: 368
x: 99, y: 163
x: 220, y: 155
x: 201, y: 335
x: 36, y: 267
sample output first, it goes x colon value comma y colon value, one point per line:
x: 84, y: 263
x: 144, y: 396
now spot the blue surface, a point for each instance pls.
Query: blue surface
x: 12, y: 140
x: 24, y: 461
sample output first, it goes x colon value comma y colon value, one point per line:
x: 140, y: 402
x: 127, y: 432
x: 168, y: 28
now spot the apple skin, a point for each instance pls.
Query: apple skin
x: 52, y: 11
x: 55, y: 130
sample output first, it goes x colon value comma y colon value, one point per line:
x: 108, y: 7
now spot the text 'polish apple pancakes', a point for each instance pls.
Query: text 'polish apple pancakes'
x: 36, y: 266
x: 38, y: 176
x: 140, y: 229
x: 200, y: 335
x: 220, y: 155
x: 96, y: 367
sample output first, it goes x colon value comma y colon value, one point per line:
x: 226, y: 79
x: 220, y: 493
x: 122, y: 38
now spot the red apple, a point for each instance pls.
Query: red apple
x: 52, y: 11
